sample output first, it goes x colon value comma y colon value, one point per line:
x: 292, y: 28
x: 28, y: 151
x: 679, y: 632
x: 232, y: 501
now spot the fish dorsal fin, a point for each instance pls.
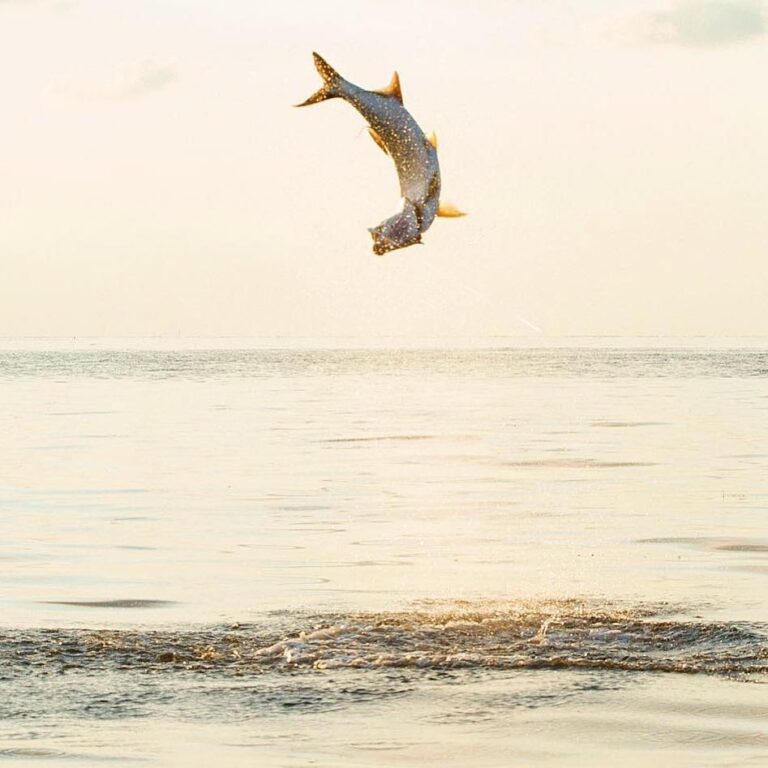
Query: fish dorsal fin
x: 393, y: 89
x: 375, y: 136
x: 432, y: 139
x: 449, y: 211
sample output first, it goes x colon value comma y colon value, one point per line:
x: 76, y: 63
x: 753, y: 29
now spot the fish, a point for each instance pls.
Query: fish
x: 396, y: 132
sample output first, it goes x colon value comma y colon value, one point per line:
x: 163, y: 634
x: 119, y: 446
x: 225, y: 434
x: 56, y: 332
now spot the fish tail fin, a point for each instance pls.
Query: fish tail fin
x: 331, y: 82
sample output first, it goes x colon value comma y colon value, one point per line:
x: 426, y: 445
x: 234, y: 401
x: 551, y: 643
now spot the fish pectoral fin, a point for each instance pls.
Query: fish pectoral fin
x: 375, y: 136
x: 393, y: 89
x: 449, y: 211
x: 432, y: 139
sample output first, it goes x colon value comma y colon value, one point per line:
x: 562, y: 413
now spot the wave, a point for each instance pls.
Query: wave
x: 204, y: 364
x: 490, y: 636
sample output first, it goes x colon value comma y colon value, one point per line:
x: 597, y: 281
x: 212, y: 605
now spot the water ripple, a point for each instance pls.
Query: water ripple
x: 542, y: 635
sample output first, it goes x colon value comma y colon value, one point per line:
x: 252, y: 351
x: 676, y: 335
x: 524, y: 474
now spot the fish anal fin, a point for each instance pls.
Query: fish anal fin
x: 449, y: 211
x: 375, y: 136
x: 393, y: 89
x: 432, y: 139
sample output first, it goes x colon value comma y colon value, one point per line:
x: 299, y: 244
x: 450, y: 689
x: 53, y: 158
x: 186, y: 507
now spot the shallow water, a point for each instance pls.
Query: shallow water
x: 384, y: 557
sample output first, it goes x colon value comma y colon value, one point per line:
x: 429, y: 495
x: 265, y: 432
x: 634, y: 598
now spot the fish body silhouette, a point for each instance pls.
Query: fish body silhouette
x: 415, y: 156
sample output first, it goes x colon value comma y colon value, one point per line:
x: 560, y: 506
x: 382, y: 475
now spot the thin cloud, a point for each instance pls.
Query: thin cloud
x: 701, y: 23
x: 51, y: 3
x: 143, y: 77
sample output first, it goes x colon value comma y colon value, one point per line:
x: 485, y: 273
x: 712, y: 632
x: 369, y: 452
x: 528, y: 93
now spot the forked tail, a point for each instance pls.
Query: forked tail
x: 331, y: 82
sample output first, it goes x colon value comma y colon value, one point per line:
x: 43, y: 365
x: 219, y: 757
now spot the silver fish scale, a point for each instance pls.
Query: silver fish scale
x: 415, y: 158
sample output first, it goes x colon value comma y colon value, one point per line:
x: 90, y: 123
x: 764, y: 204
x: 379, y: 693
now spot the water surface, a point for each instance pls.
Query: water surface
x: 492, y: 555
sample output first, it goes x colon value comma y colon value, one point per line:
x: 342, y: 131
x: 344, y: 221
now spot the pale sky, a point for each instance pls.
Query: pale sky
x: 156, y: 181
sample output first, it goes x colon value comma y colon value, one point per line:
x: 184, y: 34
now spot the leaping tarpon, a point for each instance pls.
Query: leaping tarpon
x: 415, y: 155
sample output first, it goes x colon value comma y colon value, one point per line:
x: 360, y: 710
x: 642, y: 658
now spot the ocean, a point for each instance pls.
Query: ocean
x: 276, y: 552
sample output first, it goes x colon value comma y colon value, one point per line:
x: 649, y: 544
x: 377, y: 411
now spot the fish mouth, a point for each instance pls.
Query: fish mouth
x: 383, y: 244
x: 380, y: 248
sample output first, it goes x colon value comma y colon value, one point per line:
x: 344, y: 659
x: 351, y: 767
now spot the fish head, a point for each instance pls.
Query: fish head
x: 398, y: 231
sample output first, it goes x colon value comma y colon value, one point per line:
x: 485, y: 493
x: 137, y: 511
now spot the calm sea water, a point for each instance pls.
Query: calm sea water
x: 221, y: 553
